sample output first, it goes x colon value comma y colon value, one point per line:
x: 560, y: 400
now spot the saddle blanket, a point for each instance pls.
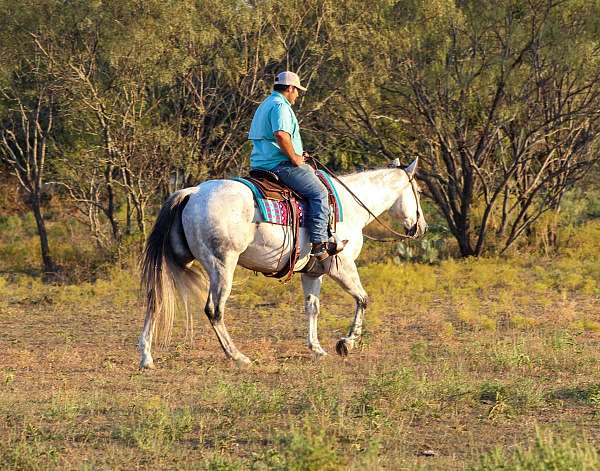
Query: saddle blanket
x: 277, y: 212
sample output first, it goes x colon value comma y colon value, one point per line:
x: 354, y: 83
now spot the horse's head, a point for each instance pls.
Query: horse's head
x: 407, y: 207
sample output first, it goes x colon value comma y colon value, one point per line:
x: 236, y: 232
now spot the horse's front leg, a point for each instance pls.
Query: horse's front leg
x: 312, y: 288
x: 345, y: 274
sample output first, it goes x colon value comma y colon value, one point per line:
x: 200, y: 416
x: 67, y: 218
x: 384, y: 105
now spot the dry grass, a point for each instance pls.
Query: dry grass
x: 484, y: 363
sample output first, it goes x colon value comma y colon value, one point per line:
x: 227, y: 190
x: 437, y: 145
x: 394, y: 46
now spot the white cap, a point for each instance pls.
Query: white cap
x: 289, y: 78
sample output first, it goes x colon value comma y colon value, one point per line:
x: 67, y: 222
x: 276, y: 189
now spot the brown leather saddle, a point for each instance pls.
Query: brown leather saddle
x: 272, y: 188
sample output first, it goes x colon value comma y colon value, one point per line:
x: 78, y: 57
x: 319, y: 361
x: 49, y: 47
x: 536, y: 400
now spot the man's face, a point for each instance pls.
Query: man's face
x: 293, y: 94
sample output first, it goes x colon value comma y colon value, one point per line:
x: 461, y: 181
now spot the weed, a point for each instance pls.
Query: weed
x: 471, y: 316
x: 511, y: 399
x: 62, y: 409
x: 510, y: 354
x: 419, y: 352
x: 303, y: 449
x: 561, y: 340
x: 547, y: 452
x: 25, y: 452
x: 523, y: 322
x: 9, y: 376
x: 386, y: 395
x: 156, y: 427
x: 222, y: 463
x: 586, y: 325
x: 248, y: 398
x: 589, y: 394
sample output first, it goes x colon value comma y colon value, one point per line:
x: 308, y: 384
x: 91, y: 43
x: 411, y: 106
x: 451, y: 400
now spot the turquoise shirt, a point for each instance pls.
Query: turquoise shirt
x: 274, y: 114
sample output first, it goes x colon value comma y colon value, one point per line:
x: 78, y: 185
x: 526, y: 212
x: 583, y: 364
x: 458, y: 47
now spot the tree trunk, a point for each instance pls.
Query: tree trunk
x: 48, y: 264
x: 110, y: 209
x: 464, y: 243
x: 128, y: 220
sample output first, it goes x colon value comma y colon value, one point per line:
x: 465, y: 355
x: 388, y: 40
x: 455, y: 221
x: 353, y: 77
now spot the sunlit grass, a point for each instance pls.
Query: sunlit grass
x: 461, y: 358
x: 548, y: 451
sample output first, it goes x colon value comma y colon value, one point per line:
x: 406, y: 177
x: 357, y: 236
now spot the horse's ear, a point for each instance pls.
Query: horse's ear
x: 412, y: 168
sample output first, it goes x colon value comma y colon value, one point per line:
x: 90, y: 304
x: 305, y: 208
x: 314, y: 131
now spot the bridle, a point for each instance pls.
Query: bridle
x: 411, y: 181
x: 383, y: 224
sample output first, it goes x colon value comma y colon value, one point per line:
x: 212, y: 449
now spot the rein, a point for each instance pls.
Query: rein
x: 383, y: 224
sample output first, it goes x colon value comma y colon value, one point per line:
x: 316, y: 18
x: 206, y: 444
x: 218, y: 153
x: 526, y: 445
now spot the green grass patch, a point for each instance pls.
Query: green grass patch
x: 548, y: 452
x: 155, y: 427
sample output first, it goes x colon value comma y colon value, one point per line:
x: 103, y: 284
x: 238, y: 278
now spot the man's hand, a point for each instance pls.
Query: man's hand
x: 297, y: 160
x: 285, y: 144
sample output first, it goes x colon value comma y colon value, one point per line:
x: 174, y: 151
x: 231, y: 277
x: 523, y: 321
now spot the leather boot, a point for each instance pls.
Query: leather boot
x: 319, y: 251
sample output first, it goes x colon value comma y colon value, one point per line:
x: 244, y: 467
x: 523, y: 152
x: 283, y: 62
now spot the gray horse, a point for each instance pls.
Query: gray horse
x: 216, y: 224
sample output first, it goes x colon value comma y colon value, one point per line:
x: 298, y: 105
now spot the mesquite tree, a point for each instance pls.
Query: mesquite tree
x: 25, y: 134
x: 499, y: 99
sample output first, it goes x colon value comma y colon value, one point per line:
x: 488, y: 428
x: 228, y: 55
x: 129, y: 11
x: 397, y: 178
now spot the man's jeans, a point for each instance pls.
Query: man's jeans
x: 304, y: 182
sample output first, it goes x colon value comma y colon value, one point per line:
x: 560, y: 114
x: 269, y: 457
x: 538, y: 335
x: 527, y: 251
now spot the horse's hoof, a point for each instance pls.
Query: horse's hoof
x: 319, y: 353
x: 341, y: 347
x: 243, y: 361
x: 147, y: 365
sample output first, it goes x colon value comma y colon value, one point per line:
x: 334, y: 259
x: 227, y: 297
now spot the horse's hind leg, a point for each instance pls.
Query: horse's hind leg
x: 145, y: 342
x: 312, y: 288
x: 346, y: 275
x: 220, y: 273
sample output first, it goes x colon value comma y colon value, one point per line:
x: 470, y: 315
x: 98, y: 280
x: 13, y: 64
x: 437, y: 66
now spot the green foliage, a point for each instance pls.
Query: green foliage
x: 390, y: 393
x: 246, y: 398
x: 428, y: 250
x: 25, y: 453
x: 518, y: 397
x: 63, y: 409
x: 156, y: 95
x: 548, y: 452
x: 303, y: 449
x: 155, y: 427
x: 151, y: 96
x: 222, y: 463
x: 312, y: 450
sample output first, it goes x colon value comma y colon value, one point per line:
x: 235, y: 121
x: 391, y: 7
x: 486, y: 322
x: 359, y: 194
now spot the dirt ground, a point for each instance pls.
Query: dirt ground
x: 426, y: 389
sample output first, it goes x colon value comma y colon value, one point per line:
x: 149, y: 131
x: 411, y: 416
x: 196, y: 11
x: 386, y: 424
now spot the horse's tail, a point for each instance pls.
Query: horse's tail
x: 165, y: 276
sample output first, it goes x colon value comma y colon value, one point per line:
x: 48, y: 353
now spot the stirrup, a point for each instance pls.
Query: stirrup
x: 320, y: 251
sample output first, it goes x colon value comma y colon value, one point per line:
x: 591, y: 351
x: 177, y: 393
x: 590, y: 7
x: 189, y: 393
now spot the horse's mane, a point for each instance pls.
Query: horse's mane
x: 362, y: 172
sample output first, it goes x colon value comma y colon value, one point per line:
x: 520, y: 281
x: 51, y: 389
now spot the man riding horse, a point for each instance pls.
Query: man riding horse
x: 277, y: 147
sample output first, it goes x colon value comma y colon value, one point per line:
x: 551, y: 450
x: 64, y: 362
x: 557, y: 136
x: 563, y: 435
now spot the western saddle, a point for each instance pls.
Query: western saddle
x: 272, y: 188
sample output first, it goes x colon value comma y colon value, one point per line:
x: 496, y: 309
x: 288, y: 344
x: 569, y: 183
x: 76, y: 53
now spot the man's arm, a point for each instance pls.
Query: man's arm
x: 285, y: 144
